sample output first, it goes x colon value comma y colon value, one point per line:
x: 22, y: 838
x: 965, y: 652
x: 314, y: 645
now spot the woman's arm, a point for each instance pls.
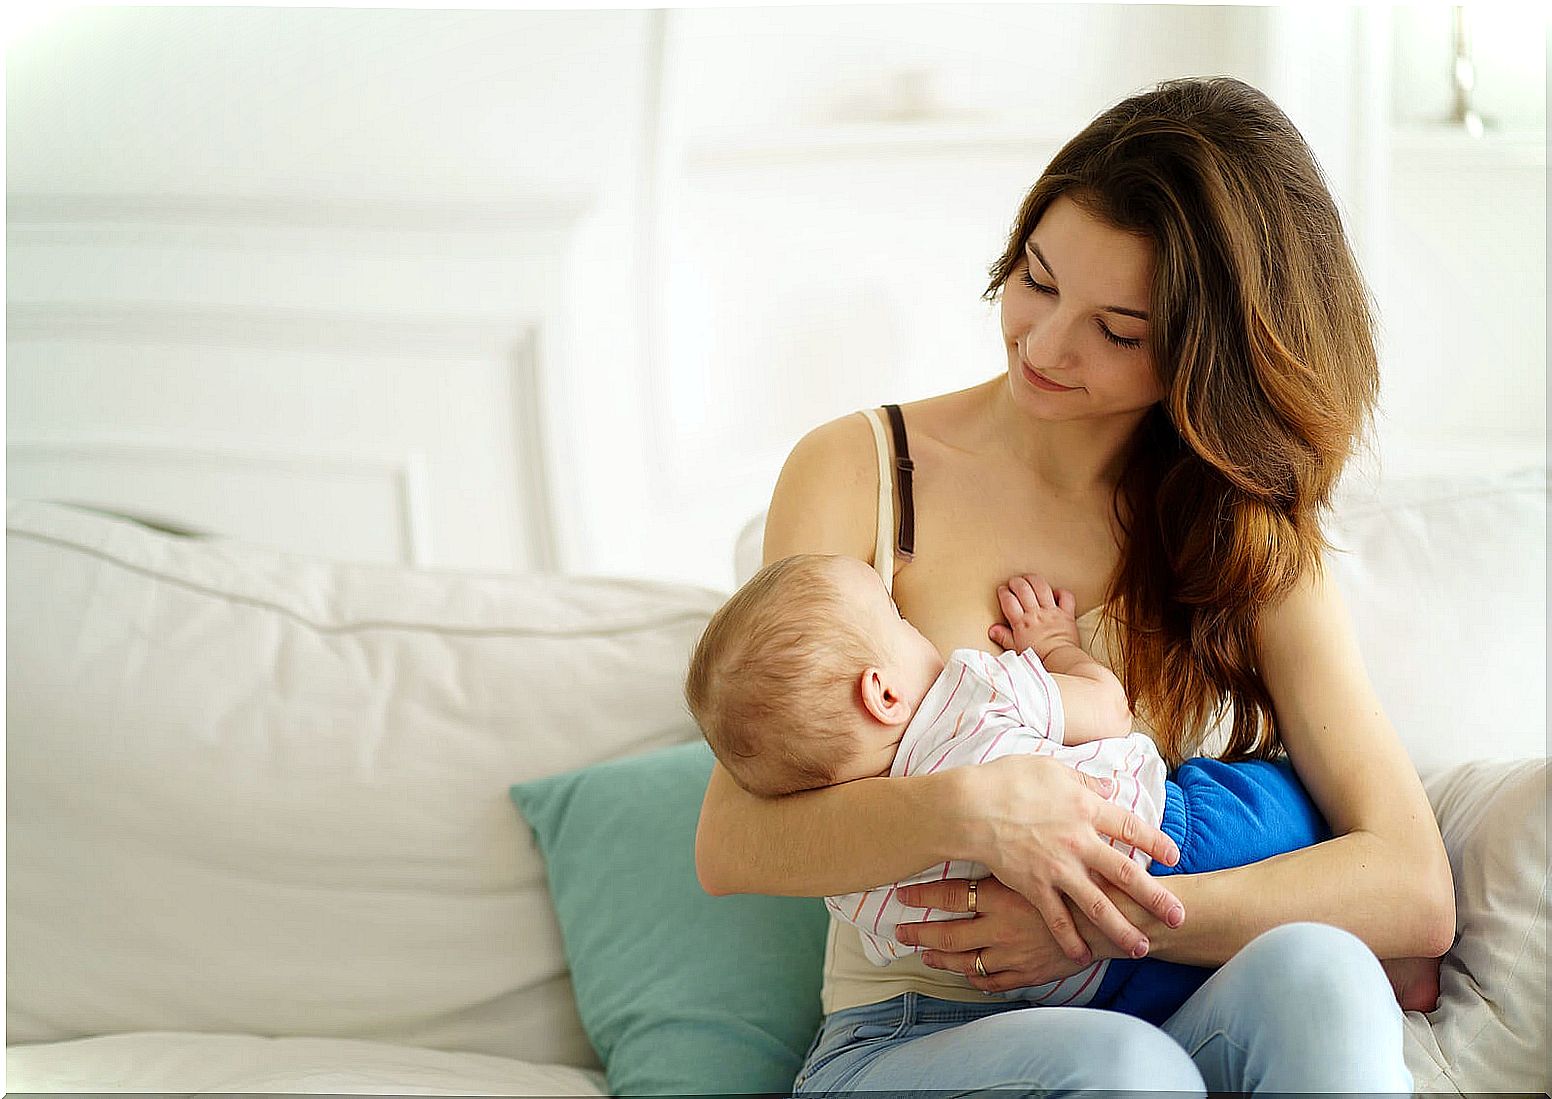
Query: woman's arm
x: 1384, y: 876
x: 809, y: 844
x: 1029, y: 812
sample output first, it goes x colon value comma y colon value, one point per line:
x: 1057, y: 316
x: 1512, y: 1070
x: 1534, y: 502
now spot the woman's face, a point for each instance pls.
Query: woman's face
x: 1075, y: 319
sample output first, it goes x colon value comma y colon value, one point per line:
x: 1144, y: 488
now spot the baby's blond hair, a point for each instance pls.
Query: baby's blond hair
x: 772, y: 678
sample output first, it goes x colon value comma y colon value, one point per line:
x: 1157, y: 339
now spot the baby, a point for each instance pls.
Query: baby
x: 809, y: 677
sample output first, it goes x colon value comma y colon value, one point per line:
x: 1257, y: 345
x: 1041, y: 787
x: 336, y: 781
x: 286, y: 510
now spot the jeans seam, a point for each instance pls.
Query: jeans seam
x: 1220, y: 1033
x: 807, y: 1071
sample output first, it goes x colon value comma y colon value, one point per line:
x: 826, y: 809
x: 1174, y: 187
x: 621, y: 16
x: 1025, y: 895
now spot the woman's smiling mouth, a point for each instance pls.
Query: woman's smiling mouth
x: 1040, y: 381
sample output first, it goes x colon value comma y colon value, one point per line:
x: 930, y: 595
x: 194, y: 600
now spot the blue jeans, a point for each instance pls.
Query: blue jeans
x: 1302, y: 1008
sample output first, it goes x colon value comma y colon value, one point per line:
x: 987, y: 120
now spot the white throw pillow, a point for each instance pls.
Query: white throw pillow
x: 257, y: 793
x: 1490, y: 1030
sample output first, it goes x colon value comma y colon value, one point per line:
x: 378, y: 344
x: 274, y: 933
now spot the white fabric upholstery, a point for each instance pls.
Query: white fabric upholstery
x: 1446, y: 583
x: 1489, y: 1033
x: 253, y: 795
x: 204, y: 1063
x: 261, y: 794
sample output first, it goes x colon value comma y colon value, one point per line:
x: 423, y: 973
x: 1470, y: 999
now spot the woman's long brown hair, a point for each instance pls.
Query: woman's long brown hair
x: 1262, y: 332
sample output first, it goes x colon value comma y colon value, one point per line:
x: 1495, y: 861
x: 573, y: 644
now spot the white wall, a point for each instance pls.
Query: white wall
x: 324, y: 277
x: 631, y: 255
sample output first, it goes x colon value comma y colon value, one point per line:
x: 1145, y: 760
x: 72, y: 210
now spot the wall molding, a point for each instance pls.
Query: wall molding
x: 405, y: 471
x: 473, y: 214
x: 337, y: 332
x: 533, y: 447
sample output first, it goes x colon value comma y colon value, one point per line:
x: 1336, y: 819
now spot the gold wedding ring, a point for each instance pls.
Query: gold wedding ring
x: 973, y: 884
x: 980, y: 968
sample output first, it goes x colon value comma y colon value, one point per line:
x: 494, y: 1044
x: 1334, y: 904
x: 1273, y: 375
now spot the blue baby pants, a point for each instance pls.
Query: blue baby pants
x: 1219, y: 815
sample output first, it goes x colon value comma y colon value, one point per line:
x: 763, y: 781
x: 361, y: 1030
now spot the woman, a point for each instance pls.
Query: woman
x: 1189, y: 364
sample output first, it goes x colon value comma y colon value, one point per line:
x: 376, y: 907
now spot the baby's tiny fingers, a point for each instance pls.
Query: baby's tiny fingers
x: 1067, y: 601
x: 1011, y: 607
x: 1042, y: 591
x: 1026, y: 594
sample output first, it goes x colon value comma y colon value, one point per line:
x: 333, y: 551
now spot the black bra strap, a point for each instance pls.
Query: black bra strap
x: 905, y: 538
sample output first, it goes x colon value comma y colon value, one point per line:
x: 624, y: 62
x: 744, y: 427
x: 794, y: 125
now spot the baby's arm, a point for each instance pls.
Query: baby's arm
x: 1043, y: 620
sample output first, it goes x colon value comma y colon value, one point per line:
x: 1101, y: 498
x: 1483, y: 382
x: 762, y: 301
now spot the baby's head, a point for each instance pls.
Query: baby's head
x: 808, y: 676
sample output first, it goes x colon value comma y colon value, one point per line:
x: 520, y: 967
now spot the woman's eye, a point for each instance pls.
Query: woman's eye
x: 1119, y: 341
x: 1041, y: 287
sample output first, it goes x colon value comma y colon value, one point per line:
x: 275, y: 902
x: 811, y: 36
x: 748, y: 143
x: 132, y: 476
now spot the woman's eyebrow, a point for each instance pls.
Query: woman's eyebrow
x: 1140, y: 314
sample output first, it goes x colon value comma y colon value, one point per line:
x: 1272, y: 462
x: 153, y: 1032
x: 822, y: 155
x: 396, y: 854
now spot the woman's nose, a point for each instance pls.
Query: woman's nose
x: 1050, y: 343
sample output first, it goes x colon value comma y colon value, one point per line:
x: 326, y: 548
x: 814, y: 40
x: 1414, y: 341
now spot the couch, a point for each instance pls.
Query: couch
x: 259, y: 836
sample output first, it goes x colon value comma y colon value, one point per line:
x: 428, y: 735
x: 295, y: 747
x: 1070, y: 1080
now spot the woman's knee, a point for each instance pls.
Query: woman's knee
x: 1091, y: 1050
x: 1324, y: 1000
x: 1316, y: 962
x: 1145, y: 1059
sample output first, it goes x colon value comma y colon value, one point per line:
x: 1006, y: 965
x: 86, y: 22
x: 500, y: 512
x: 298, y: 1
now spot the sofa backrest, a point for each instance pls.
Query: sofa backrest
x: 1445, y: 579
x: 250, y: 792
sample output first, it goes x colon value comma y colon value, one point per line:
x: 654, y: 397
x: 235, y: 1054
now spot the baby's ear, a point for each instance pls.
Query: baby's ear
x: 880, y: 700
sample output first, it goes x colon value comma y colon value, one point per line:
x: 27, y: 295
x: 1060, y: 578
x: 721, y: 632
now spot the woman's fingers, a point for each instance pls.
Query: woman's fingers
x: 1126, y: 826
x: 964, y: 963
x: 1129, y: 877
x: 1104, y: 787
x: 1060, y: 924
x: 1101, y: 911
x: 948, y: 895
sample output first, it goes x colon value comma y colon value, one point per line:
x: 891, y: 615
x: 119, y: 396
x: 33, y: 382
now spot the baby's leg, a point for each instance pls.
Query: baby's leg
x: 1416, y: 981
x: 1219, y: 815
x: 1231, y: 814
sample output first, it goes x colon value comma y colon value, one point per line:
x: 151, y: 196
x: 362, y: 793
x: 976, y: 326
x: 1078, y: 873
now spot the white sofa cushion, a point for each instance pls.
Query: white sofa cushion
x: 205, y: 1063
x: 1489, y: 1032
x: 250, y: 792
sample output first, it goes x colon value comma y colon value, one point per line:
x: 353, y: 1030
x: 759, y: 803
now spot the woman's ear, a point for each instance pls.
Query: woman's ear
x: 880, y: 699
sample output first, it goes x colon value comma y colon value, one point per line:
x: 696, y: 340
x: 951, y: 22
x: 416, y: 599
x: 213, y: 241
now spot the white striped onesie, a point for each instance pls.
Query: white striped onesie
x: 982, y: 707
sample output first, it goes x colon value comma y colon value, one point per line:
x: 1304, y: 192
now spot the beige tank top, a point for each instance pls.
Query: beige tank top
x: 850, y: 980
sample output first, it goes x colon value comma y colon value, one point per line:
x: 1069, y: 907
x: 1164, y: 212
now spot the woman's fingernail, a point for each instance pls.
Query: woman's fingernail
x: 1141, y: 949
x: 1176, y: 917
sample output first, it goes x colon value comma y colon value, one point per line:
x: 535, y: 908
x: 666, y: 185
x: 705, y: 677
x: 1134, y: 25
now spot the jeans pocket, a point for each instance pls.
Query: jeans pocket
x: 835, y: 1037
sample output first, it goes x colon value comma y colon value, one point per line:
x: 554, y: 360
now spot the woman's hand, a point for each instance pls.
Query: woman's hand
x: 1043, y: 828
x: 1007, y: 932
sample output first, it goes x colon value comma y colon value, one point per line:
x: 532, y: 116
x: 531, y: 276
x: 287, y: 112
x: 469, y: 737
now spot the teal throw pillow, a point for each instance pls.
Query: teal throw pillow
x: 680, y: 992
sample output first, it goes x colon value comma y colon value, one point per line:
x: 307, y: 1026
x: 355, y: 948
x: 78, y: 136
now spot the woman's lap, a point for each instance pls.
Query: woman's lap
x: 1302, y: 1008
x: 914, y: 1043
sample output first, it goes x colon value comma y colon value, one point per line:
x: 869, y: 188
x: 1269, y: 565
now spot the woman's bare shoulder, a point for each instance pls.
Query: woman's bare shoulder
x: 826, y: 499
x: 956, y: 421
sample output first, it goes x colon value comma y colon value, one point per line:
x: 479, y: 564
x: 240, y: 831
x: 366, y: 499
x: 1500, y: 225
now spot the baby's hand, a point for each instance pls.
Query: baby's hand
x: 1038, y: 617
